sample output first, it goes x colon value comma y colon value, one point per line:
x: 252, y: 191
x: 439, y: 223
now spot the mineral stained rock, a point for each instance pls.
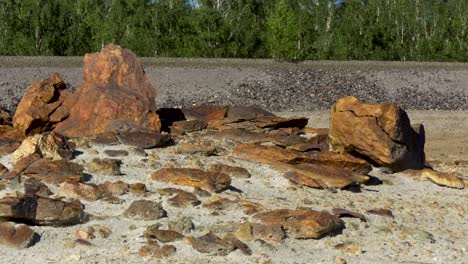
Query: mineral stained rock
x: 380, y: 132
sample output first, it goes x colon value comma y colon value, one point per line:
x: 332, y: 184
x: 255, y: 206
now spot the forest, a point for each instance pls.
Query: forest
x: 399, y: 30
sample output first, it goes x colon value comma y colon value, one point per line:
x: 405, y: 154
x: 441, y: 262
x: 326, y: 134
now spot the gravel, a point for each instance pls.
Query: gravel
x: 286, y: 88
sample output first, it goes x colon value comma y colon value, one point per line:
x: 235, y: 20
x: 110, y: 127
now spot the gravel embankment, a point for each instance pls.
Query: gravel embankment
x: 272, y: 85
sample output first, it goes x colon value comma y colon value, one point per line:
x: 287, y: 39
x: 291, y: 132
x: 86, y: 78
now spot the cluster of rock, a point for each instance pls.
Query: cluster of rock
x: 115, y: 105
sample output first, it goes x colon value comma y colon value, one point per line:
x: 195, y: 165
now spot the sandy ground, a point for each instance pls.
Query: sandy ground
x: 430, y: 224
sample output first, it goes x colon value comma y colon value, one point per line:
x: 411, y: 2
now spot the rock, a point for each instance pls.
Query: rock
x: 183, y: 200
x: 79, y: 190
x: 34, y: 187
x: 143, y: 139
x: 145, y: 210
x: 186, y: 148
x: 5, y: 118
x: 187, y: 126
x: 8, y: 146
x: 85, y: 235
x: 205, y: 112
x: 276, y: 122
x: 244, y: 231
x: 273, y: 232
x: 245, y: 113
x: 450, y: 179
x: 107, y: 138
x: 116, y: 188
x: 381, y: 211
x: 212, y: 244
x: 104, y: 166
x: 37, y: 111
x: 380, y: 132
x: 302, y: 223
x: 231, y: 171
x: 51, y: 171
x: 274, y: 155
x: 340, y: 212
x: 112, y: 78
x: 11, y: 133
x: 19, y: 236
x: 209, y: 181
x: 3, y: 170
x: 182, y: 225
x: 116, y: 153
x: 238, y: 244
x: 103, y: 231
x: 163, y: 236
x: 42, y: 211
x: 47, y: 145
x: 157, y: 251
x: 218, y: 203
x: 137, y: 188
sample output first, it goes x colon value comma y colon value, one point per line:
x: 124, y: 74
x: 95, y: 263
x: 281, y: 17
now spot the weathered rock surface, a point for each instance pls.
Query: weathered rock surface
x: 186, y: 148
x: 5, y: 118
x: 380, y: 132
x: 46, y: 145
x: 205, y: 112
x: 19, y: 237
x: 163, y: 236
x: 113, y: 78
x: 212, y: 244
x: 41, y: 211
x: 145, y: 210
x: 37, y: 110
x: 206, y: 180
x: 448, y: 179
x: 232, y: 171
x: 302, y: 223
x: 80, y: 190
x: 187, y: 126
x: 51, y: 171
x: 104, y: 166
x: 143, y: 139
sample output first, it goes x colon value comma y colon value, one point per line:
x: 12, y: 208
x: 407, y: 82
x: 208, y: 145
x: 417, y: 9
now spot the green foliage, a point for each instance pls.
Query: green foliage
x: 421, y: 30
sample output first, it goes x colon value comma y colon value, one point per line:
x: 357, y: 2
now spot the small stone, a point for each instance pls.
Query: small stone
x: 103, y: 231
x: 34, y: 187
x: 232, y: 171
x: 183, y: 200
x: 212, y: 244
x: 183, y: 225
x: 47, y: 145
x: 116, y: 153
x: 186, y: 148
x: 104, y: 166
x: 244, y: 231
x: 182, y: 127
x: 116, y: 188
x: 137, y: 188
x: 163, y: 236
x: 49, y: 171
x: 85, y: 235
x: 340, y: 260
x: 145, y: 210
x: 238, y: 244
x: 381, y: 211
x: 79, y: 190
x: 209, y: 181
x: 19, y: 236
x: 144, y: 139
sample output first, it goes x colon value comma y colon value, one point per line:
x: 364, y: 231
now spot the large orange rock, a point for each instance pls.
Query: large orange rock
x: 37, y: 110
x: 115, y: 95
x: 380, y: 132
x: 207, y: 180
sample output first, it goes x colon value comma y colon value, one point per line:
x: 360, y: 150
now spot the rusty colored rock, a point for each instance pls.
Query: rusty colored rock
x: 8, y: 146
x: 19, y: 237
x: 232, y: 171
x: 34, y: 187
x: 5, y: 118
x: 274, y: 155
x: 42, y: 211
x: 37, y: 110
x: 80, y: 190
x: 205, y: 112
x: 245, y: 113
x: 3, y: 170
x: 52, y: 171
x: 448, y: 179
x: 114, y: 188
x: 302, y: 223
x: 183, y: 200
x: 115, y: 95
x: 276, y: 122
x: 104, y: 166
x: 10, y: 133
x: 186, y: 148
x: 207, y: 180
x: 380, y: 132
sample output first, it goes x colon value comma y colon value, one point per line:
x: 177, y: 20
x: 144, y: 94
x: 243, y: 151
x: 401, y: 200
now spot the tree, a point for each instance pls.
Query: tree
x: 282, y: 31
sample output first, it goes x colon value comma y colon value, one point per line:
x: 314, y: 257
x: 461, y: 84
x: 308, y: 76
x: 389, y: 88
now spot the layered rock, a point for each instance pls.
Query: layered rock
x: 38, y: 110
x: 206, y: 180
x: 115, y: 95
x: 381, y: 133
x: 47, y: 145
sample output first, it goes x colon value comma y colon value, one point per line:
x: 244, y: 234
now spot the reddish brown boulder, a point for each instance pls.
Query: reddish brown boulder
x: 115, y: 95
x: 205, y: 112
x: 20, y: 236
x: 380, y: 132
x: 206, y: 180
x: 37, y: 110
x: 50, y: 171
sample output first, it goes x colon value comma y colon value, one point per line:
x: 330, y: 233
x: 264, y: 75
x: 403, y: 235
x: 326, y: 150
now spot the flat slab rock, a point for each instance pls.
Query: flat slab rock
x: 42, y: 211
x: 206, y: 180
x: 16, y: 236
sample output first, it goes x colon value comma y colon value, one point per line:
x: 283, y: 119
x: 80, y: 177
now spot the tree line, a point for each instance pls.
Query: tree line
x: 419, y: 30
